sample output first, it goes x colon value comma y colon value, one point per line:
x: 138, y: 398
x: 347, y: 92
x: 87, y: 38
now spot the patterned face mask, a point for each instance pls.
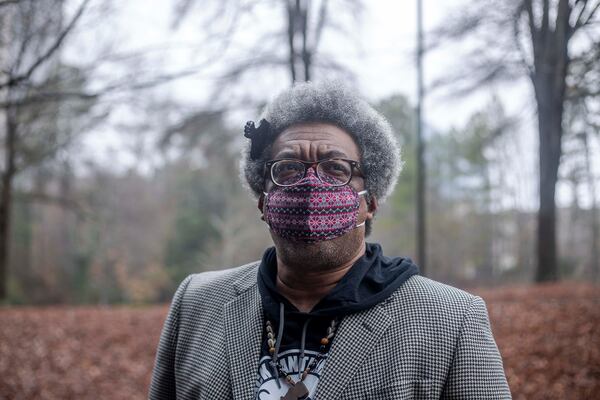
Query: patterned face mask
x: 312, y: 211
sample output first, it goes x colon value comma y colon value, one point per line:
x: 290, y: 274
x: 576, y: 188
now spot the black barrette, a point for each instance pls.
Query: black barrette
x: 259, y: 136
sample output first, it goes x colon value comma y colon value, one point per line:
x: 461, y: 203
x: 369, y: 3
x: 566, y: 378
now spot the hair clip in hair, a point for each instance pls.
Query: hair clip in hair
x: 259, y: 137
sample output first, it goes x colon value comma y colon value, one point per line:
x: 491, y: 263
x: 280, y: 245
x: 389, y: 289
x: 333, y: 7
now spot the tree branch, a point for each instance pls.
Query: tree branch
x: 291, y: 32
x: 66, y: 203
x: 51, y: 50
x: 9, y: 2
x: 582, y: 22
x: 306, y: 54
x: 579, y: 14
x: 124, y: 85
x: 320, y: 24
x: 583, y: 93
x: 545, y: 18
x: 516, y: 36
x: 532, y: 27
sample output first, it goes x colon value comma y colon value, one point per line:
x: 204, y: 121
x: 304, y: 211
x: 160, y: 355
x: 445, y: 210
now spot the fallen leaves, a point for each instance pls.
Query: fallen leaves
x: 548, y: 336
x: 78, y: 352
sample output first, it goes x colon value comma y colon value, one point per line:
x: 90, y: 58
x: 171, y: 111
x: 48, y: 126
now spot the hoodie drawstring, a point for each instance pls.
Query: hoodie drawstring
x: 302, y: 346
x: 280, y: 336
x: 279, y: 331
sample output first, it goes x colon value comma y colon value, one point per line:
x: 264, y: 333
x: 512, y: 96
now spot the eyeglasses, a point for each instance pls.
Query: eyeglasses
x: 334, y: 171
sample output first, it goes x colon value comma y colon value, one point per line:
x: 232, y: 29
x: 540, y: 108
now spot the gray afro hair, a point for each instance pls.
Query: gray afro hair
x: 335, y: 103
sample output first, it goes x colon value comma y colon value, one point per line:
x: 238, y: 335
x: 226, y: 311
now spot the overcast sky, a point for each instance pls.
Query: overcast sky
x: 383, y: 60
x: 383, y: 63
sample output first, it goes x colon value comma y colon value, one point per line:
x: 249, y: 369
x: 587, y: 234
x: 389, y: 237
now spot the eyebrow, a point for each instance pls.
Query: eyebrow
x: 325, y: 155
x: 335, y: 154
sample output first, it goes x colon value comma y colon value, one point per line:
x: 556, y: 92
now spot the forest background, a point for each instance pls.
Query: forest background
x: 120, y: 138
x: 122, y: 129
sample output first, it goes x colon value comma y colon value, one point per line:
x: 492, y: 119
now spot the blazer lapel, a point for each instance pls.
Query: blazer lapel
x: 356, y: 337
x: 243, y: 334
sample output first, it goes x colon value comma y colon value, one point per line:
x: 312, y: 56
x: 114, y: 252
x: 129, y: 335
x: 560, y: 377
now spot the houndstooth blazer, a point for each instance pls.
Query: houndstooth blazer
x: 426, y: 341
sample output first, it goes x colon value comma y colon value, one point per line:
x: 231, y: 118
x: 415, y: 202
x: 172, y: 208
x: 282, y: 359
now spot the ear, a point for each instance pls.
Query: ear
x: 372, y: 206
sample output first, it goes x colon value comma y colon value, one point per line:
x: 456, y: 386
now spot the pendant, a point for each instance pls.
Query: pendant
x: 296, y: 392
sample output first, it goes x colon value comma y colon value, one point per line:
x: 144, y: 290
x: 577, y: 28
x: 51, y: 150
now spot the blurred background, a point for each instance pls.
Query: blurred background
x: 120, y: 137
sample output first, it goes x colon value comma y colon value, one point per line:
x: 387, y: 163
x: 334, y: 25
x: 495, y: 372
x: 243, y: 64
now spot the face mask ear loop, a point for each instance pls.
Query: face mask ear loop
x: 361, y: 193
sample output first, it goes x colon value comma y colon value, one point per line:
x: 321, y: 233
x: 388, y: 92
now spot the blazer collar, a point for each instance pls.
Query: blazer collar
x: 355, y: 339
x: 243, y: 334
x: 248, y: 279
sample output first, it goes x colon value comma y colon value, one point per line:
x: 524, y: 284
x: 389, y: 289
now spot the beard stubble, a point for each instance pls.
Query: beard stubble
x: 321, y: 256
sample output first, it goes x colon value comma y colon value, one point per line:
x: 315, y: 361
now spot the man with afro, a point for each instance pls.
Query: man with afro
x: 324, y: 314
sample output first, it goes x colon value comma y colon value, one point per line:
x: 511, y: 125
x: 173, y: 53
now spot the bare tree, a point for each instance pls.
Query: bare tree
x: 292, y: 42
x: 33, y: 32
x: 42, y: 99
x: 543, y: 40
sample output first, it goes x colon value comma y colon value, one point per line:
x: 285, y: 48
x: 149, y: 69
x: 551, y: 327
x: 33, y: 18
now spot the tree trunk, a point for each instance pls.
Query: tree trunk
x: 6, y: 196
x: 551, y: 60
x: 550, y: 134
x: 291, y: 32
x: 421, y: 204
x: 595, y: 253
x: 489, y: 229
x: 571, y: 237
x: 306, y: 54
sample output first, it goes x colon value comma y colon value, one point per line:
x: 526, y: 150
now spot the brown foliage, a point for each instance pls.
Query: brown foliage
x: 547, y: 334
x: 77, y: 353
x: 548, y: 338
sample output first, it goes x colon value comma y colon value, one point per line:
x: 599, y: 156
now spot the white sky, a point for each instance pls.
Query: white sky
x: 384, y: 65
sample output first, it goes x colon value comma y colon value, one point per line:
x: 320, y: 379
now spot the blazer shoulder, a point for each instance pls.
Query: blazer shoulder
x: 436, y: 291
x: 223, y: 284
x: 435, y: 299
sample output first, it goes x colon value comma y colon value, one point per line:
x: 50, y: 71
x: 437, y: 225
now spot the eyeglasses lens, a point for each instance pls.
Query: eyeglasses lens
x: 290, y: 172
x: 287, y: 172
x: 335, y: 172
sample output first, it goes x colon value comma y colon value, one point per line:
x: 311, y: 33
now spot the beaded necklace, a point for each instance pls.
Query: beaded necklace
x: 298, y: 389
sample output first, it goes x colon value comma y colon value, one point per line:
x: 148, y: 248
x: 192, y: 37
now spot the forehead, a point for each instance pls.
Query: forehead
x: 315, y: 141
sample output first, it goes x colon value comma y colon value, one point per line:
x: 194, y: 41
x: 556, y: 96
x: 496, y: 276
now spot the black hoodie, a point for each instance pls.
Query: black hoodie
x: 372, y: 279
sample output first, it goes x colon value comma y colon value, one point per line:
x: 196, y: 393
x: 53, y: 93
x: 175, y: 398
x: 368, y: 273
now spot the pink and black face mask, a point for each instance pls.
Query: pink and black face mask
x: 312, y: 211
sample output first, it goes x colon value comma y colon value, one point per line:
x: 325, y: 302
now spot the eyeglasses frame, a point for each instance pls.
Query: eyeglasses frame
x: 268, y: 166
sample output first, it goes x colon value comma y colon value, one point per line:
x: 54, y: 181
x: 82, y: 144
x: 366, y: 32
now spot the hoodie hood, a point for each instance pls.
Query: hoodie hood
x: 372, y: 279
